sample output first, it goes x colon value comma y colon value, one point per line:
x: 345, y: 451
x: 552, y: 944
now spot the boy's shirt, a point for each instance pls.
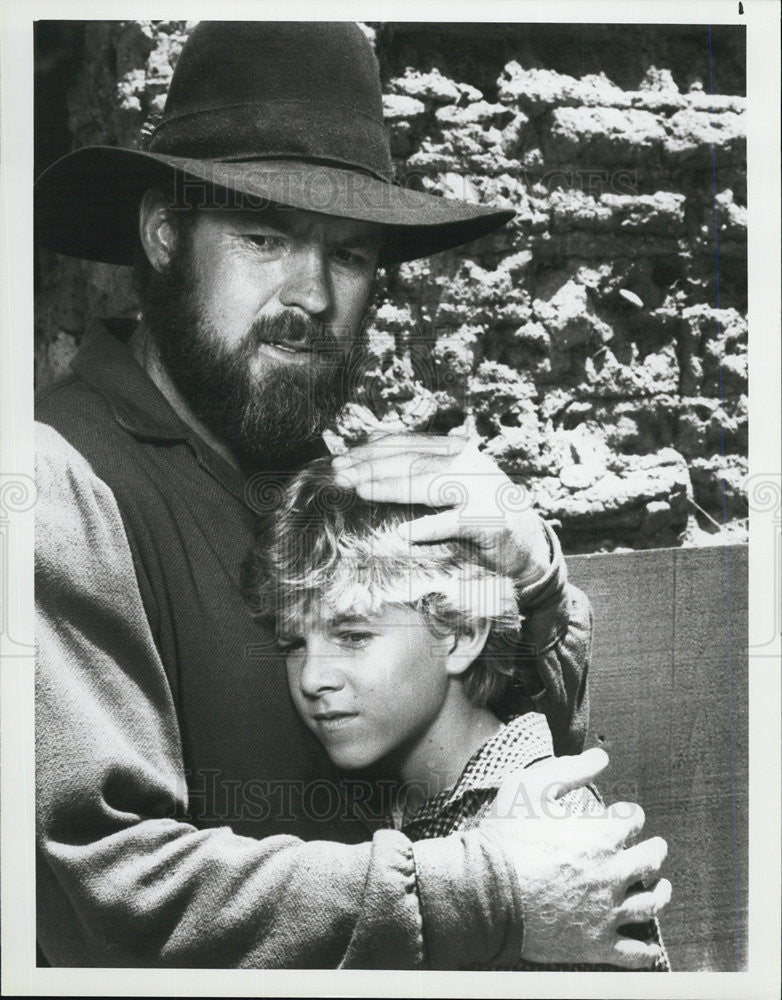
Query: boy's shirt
x: 519, y: 744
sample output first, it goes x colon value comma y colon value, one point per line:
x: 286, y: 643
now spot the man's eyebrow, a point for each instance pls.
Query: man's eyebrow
x: 278, y: 218
x: 265, y: 217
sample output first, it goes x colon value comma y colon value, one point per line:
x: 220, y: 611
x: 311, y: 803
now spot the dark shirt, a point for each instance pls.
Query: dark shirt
x: 189, y: 520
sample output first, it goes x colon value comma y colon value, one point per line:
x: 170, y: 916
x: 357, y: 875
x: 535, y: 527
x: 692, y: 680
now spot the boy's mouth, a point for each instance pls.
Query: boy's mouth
x: 333, y: 719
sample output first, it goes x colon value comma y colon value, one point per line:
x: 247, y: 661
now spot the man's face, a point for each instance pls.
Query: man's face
x: 369, y: 688
x: 255, y: 318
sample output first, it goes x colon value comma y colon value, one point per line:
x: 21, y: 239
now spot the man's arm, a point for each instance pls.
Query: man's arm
x: 121, y: 882
x: 556, y: 650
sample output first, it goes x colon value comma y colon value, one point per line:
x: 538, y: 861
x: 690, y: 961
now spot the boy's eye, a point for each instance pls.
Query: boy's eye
x: 288, y: 646
x: 355, y: 638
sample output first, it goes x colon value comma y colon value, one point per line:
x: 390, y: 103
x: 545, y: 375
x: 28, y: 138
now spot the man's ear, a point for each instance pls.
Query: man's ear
x: 467, y: 647
x: 155, y: 230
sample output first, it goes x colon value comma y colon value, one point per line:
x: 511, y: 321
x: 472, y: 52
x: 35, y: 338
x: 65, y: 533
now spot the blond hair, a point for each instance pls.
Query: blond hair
x: 325, y: 552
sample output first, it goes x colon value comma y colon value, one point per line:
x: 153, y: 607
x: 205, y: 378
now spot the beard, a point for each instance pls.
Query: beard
x: 260, y: 417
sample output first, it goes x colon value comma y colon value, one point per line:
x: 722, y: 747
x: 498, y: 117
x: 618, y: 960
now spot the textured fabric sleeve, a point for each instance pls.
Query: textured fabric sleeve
x: 454, y: 935
x: 556, y: 651
x: 120, y: 881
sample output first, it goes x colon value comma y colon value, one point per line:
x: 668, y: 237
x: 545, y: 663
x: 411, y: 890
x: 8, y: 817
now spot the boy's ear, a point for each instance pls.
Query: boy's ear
x: 467, y: 647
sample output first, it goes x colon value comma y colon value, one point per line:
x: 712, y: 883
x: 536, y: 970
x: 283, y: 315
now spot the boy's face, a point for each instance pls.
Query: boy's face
x: 367, y: 687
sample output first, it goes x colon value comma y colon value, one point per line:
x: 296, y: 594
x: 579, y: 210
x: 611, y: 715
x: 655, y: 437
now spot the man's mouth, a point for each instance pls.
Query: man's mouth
x: 293, y: 346
x: 294, y: 352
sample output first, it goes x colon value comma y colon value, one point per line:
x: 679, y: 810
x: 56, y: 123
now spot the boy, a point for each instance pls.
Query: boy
x: 402, y: 656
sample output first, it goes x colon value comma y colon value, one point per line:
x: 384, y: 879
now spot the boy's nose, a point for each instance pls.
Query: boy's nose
x: 307, y: 282
x: 321, y: 672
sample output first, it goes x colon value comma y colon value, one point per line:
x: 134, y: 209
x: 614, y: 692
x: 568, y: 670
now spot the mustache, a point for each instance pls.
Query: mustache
x: 302, y: 332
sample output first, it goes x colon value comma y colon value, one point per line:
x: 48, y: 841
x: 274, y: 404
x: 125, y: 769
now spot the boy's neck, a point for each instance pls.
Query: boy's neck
x: 437, y: 760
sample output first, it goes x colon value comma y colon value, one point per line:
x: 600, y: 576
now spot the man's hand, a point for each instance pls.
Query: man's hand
x: 484, y: 504
x: 575, y: 871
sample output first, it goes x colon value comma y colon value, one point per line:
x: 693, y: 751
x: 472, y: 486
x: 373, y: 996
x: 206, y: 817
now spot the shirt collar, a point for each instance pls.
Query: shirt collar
x: 520, y: 743
x: 106, y: 363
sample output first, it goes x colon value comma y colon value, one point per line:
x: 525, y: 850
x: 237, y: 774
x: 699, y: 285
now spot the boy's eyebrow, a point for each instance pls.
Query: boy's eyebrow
x: 348, y: 619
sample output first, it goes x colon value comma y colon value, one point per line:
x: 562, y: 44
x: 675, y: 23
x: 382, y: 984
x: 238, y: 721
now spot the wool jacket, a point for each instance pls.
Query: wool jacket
x: 185, y: 815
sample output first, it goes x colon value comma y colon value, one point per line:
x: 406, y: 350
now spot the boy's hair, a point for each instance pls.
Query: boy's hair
x: 324, y: 551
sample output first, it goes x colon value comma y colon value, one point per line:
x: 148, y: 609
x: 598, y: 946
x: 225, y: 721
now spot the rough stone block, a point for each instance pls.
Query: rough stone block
x: 431, y: 86
x: 694, y: 135
x: 607, y: 376
x: 538, y: 90
x: 719, y: 485
x: 600, y: 134
x: 707, y: 426
x: 477, y: 113
x: 396, y: 106
x: 661, y: 213
x: 643, y: 500
x: 566, y: 312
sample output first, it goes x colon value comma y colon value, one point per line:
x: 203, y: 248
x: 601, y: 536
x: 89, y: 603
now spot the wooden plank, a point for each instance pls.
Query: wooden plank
x: 669, y: 703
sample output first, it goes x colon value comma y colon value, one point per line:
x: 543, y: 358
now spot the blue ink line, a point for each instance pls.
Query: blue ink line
x: 725, y: 548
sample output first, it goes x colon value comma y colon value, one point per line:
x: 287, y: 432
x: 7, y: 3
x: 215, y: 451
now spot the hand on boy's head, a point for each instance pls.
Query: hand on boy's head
x: 482, y: 503
x: 574, y: 871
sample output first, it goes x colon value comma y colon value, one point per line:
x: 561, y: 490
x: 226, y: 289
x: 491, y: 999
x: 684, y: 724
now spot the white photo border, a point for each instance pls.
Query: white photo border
x: 20, y: 976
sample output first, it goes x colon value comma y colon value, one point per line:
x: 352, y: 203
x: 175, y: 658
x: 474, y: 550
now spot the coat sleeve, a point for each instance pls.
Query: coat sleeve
x: 556, y: 651
x: 121, y: 881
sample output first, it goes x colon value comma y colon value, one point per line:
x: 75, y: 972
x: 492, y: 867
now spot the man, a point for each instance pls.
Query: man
x: 185, y: 817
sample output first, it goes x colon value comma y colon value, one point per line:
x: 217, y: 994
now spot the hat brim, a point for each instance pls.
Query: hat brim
x: 86, y: 204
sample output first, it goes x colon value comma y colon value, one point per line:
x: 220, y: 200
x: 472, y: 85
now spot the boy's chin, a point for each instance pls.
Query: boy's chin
x: 354, y: 755
x: 354, y: 759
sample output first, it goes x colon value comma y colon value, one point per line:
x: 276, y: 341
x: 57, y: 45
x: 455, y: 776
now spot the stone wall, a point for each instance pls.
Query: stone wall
x: 600, y: 340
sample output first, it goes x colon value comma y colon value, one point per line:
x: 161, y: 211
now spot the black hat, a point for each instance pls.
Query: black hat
x: 285, y: 113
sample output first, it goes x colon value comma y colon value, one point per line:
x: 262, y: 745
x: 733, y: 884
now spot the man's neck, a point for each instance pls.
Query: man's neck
x: 145, y: 351
x: 437, y: 760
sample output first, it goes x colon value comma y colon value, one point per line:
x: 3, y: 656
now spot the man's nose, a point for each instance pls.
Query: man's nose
x: 307, y: 283
x: 322, y: 671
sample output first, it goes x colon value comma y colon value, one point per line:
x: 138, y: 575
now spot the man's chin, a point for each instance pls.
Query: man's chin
x: 278, y: 433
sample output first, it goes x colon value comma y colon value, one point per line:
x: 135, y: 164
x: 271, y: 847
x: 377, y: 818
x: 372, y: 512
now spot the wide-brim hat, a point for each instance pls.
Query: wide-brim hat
x: 286, y: 113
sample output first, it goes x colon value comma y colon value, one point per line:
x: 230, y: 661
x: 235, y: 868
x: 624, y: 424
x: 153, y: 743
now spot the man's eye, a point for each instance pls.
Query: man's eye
x: 266, y: 241
x: 351, y: 258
